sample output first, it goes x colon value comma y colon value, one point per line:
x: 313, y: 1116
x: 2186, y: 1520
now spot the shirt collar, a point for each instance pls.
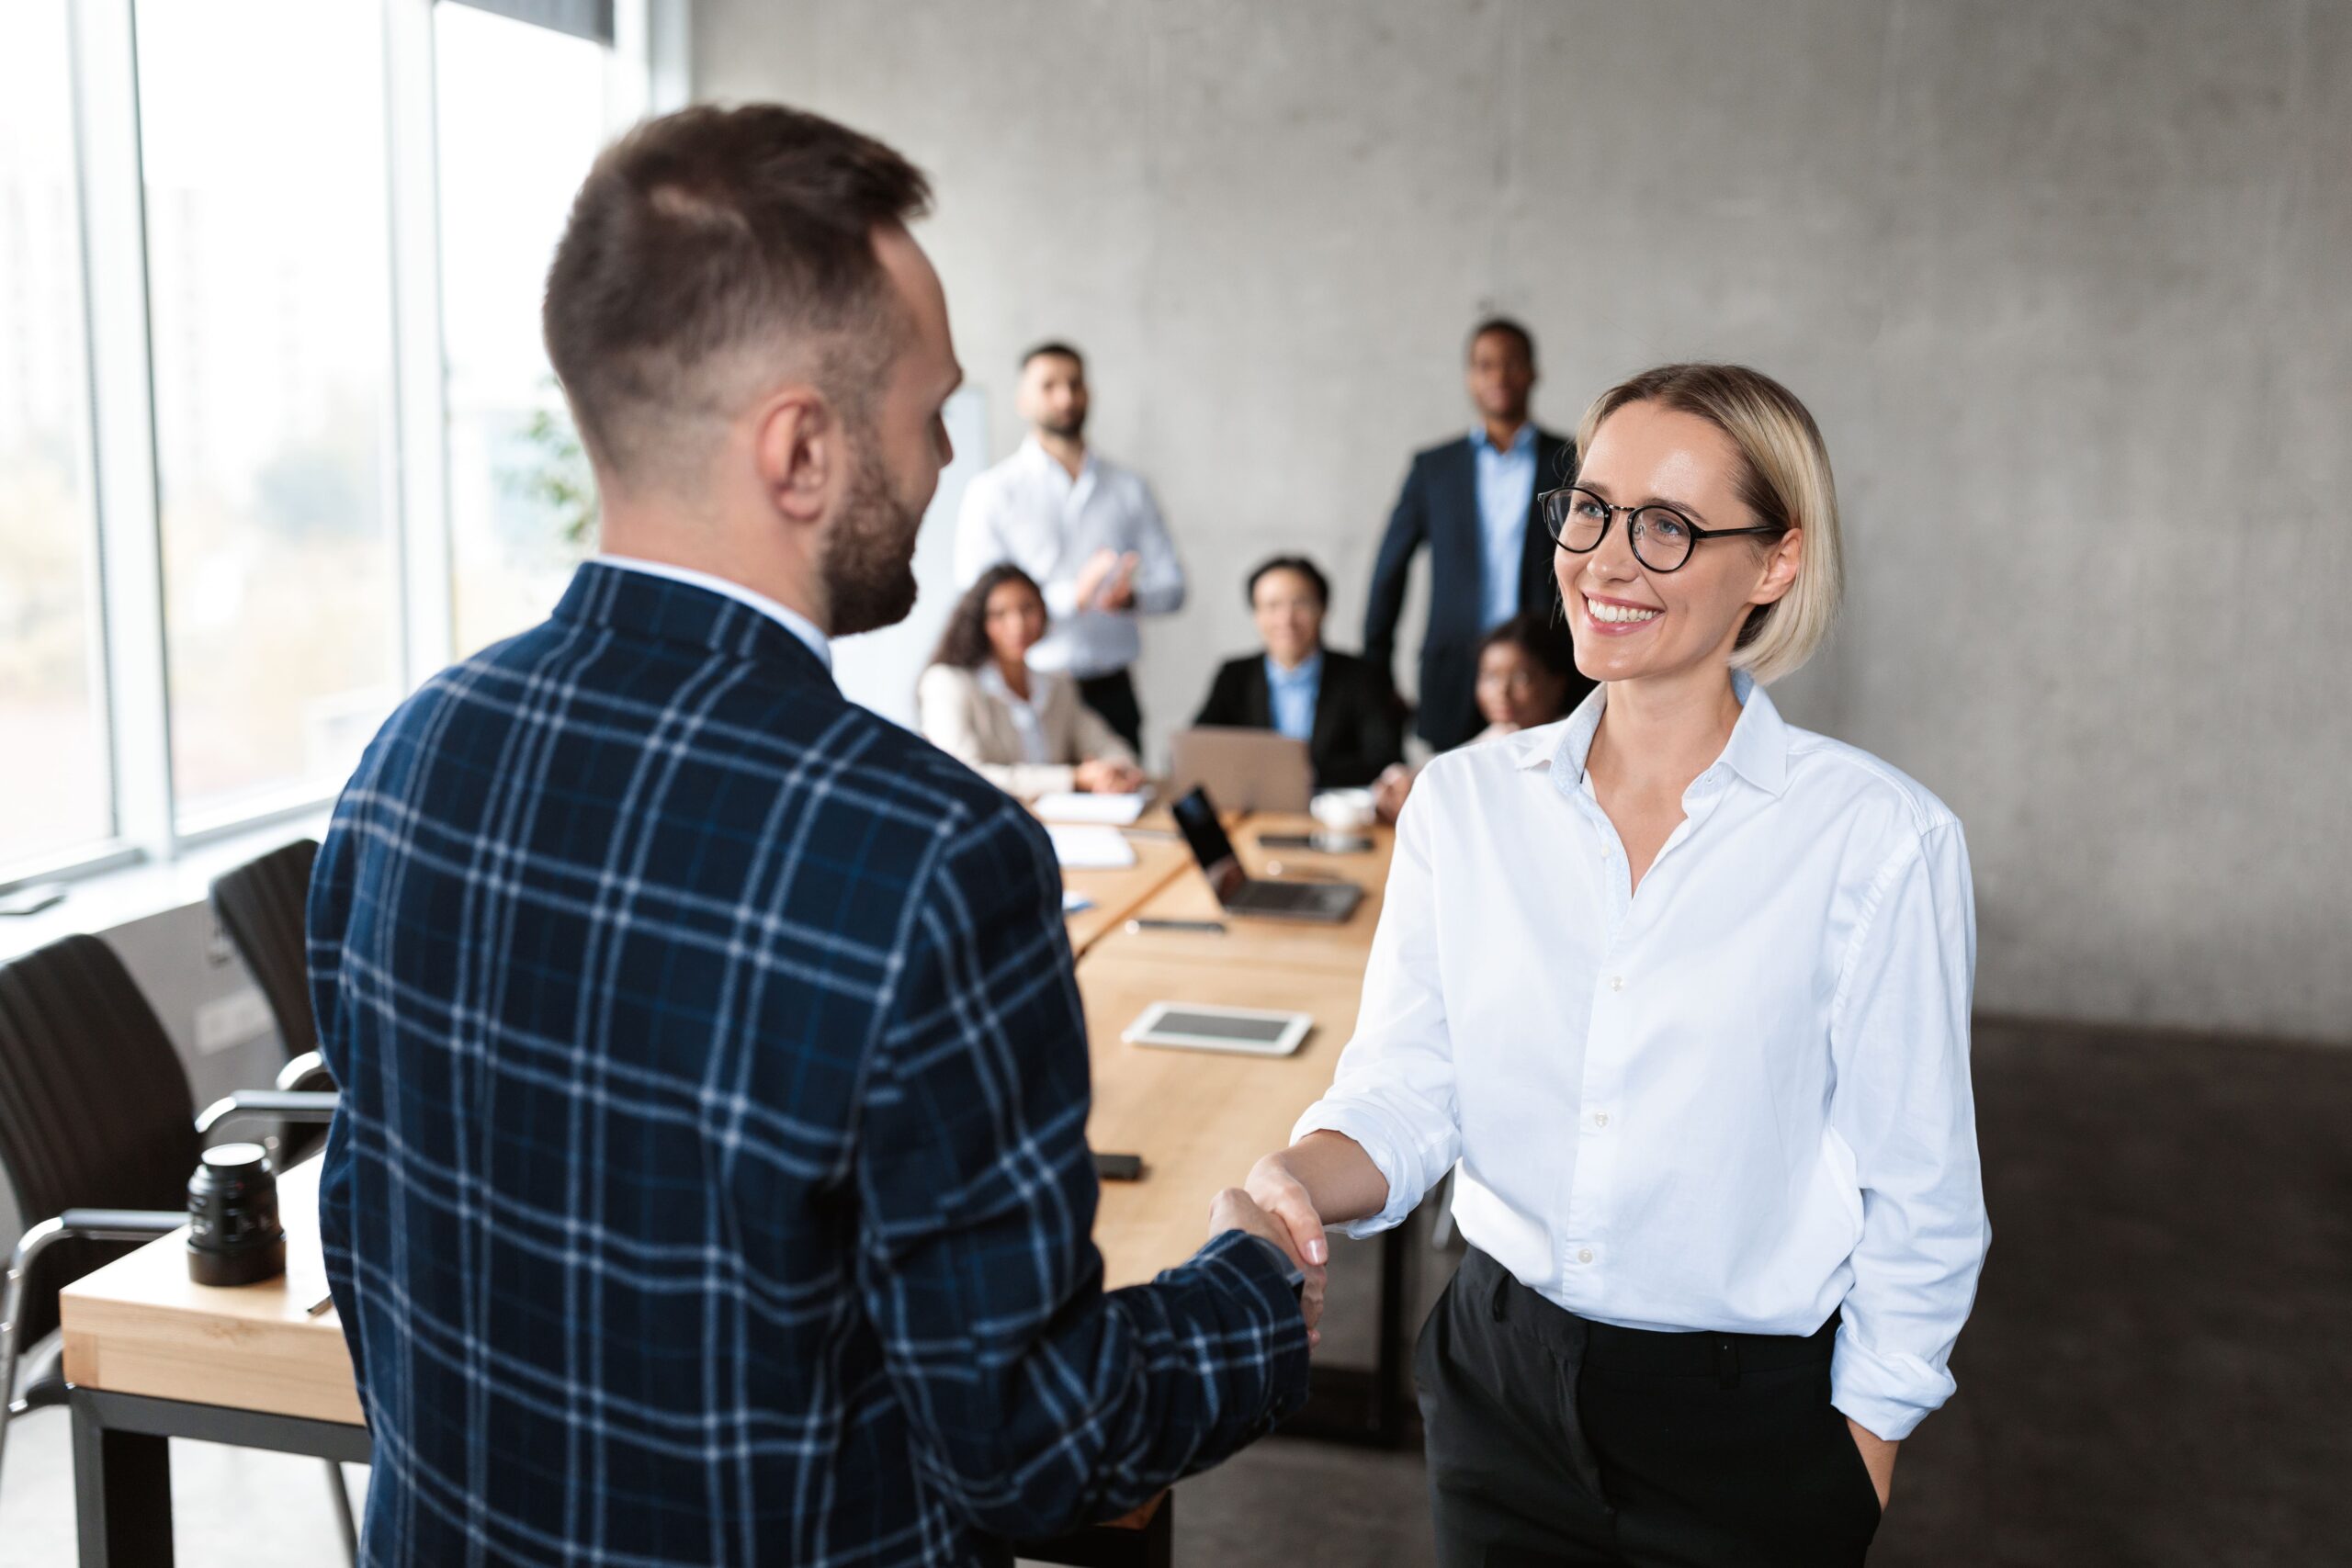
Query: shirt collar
x: 1034, y: 451
x: 1308, y: 668
x: 1758, y: 749
x: 798, y: 625
x: 994, y: 683
x: 1522, y: 440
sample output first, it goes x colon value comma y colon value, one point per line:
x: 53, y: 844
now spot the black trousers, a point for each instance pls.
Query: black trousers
x: 1556, y: 1440
x: 1113, y: 696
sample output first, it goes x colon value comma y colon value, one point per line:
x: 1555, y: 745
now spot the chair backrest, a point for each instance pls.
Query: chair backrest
x: 94, y: 1109
x: 260, y: 906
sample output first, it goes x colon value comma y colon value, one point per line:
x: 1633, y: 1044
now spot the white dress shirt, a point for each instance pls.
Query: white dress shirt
x: 798, y: 625
x: 1736, y: 1099
x: 1026, y: 713
x: 1029, y: 511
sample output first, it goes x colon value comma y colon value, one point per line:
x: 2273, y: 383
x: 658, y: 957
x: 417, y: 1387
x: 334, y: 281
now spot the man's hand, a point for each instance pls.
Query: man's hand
x: 1878, y: 1457
x: 1119, y: 592
x: 1104, y: 775
x: 1390, y: 790
x: 1094, y: 575
x: 1235, y: 1210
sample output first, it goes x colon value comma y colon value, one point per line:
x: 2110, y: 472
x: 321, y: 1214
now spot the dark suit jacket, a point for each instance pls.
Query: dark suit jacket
x: 1440, y: 507
x: 1359, y: 723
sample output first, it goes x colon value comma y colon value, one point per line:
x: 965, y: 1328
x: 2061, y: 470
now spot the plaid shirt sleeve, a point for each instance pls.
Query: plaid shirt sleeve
x: 1037, y: 1401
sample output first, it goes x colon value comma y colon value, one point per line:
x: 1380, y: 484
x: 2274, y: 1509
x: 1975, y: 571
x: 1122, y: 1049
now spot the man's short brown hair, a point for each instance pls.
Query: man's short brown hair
x: 707, y: 245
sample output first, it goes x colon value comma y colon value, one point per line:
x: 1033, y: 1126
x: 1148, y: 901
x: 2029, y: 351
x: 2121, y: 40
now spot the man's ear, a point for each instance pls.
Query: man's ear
x: 798, y: 446
x: 1781, y: 569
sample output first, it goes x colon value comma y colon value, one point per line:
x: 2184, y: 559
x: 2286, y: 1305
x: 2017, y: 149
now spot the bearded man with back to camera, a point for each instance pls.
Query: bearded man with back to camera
x: 711, y: 1182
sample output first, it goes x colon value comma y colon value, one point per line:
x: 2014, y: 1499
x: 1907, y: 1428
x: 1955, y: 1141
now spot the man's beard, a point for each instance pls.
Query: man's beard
x: 1068, y: 428
x: 868, y: 566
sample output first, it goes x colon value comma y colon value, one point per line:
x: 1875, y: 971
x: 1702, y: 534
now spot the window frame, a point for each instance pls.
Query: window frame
x: 648, y: 73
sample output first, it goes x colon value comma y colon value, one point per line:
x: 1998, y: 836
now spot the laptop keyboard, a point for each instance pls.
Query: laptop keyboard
x: 1286, y: 896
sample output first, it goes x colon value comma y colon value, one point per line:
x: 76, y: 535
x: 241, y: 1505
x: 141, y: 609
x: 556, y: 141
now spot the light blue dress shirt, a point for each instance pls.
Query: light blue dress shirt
x: 1292, y: 693
x: 1505, y: 490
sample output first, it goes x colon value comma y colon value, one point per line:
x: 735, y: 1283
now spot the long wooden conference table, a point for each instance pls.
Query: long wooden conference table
x: 152, y: 1356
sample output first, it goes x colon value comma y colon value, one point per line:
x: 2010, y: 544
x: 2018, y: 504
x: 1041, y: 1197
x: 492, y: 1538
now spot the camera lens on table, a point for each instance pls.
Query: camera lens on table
x: 234, y: 1237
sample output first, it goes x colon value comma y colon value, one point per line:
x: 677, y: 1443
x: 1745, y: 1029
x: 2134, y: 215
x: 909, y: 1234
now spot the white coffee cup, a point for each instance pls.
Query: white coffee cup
x: 1343, y: 810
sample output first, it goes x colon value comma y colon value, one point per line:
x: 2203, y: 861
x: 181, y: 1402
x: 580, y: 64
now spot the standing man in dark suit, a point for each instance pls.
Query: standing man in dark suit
x: 710, y: 1183
x: 1342, y: 706
x: 1473, y: 502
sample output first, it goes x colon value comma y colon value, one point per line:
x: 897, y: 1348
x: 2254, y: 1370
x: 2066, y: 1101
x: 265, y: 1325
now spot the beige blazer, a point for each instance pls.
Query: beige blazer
x: 959, y: 716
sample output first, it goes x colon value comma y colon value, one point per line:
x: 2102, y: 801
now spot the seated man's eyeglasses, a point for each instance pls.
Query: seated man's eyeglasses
x: 1663, y: 538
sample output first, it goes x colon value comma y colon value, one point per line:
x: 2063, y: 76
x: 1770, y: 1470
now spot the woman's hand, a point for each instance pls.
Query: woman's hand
x: 1878, y: 1457
x: 1104, y: 775
x: 1285, y: 1199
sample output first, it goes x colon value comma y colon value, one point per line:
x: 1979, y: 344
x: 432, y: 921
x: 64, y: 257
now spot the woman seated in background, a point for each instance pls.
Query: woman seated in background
x: 1342, y: 706
x: 1527, y: 676
x: 1023, y: 730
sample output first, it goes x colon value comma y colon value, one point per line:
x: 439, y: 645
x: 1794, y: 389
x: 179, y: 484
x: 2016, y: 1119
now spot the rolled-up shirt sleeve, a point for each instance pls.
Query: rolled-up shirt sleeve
x: 1903, y: 1105
x: 1393, y: 1090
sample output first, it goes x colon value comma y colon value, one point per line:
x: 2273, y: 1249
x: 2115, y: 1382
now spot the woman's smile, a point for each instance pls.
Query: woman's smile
x: 1617, y: 618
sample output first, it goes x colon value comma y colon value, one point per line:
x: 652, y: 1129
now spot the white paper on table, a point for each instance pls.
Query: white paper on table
x: 1073, y: 901
x: 1082, y: 847
x: 1116, y: 810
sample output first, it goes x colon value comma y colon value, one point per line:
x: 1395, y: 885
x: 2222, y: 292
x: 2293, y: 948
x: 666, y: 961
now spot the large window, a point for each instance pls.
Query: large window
x: 54, y: 789
x: 278, y: 438
x: 262, y: 139
x: 522, y: 111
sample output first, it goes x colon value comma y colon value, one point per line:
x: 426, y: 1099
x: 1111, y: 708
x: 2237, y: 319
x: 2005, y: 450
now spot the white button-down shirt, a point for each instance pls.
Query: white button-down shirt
x: 1029, y: 511
x: 1028, y: 713
x: 1734, y: 1100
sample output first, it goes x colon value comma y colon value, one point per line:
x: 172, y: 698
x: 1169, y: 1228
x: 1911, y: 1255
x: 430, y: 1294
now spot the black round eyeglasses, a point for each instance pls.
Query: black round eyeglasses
x: 1663, y: 538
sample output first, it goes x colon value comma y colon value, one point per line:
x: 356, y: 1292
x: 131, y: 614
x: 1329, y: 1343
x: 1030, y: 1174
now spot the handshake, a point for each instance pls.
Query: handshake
x: 1286, y: 1197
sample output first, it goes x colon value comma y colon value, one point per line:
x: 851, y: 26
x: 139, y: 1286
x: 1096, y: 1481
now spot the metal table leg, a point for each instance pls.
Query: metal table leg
x: 122, y: 1492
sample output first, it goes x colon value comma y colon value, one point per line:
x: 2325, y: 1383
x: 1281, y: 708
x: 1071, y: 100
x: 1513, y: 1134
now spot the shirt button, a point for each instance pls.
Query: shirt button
x: 1584, y: 1255
x: 1600, y: 1119
x: 1616, y: 982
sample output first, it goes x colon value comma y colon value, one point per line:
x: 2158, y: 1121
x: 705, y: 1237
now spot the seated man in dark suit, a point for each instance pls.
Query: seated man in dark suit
x: 711, y: 1183
x: 1472, y: 501
x: 1342, y: 706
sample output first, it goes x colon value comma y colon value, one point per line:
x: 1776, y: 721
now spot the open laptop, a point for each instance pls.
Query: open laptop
x: 1251, y: 769
x: 1241, y: 894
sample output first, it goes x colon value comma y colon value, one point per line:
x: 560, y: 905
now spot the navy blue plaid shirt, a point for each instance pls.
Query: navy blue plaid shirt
x: 711, y: 1182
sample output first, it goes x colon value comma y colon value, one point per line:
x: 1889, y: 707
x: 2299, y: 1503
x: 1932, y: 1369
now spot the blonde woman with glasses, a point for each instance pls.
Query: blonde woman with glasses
x: 1684, y: 989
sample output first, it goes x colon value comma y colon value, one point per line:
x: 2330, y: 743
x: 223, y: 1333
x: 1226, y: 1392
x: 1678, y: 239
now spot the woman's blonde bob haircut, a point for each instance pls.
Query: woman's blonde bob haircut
x: 1785, y: 480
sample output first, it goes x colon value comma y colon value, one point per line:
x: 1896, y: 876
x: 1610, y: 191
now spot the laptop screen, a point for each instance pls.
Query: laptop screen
x: 1196, y: 818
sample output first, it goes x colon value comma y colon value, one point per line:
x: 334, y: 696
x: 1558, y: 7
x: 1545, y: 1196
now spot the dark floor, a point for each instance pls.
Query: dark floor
x: 2158, y: 1372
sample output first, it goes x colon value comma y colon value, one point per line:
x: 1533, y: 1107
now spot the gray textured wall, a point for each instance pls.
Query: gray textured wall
x: 2065, y: 285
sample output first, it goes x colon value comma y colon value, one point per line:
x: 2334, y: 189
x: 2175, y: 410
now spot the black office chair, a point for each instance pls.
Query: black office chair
x: 98, y: 1138
x: 260, y: 906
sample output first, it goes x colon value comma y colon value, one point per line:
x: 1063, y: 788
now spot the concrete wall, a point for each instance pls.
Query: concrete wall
x: 2065, y: 285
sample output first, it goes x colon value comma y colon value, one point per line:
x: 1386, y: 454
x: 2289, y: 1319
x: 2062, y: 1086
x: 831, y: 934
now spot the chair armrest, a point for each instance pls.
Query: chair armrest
x: 86, y: 1224
x: 284, y: 1105
x: 89, y: 1225
x: 121, y: 1224
x: 306, y: 1072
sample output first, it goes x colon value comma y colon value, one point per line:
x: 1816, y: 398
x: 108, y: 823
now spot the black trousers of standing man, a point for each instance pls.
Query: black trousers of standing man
x: 1554, y: 1440
x: 1113, y: 697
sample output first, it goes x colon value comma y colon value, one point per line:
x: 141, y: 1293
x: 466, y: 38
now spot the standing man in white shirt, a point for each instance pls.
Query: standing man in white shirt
x: 1086, y: 529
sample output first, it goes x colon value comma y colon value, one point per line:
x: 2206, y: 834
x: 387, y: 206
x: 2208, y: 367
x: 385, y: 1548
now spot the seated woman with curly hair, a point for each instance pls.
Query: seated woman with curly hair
x: 1023, y: 730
